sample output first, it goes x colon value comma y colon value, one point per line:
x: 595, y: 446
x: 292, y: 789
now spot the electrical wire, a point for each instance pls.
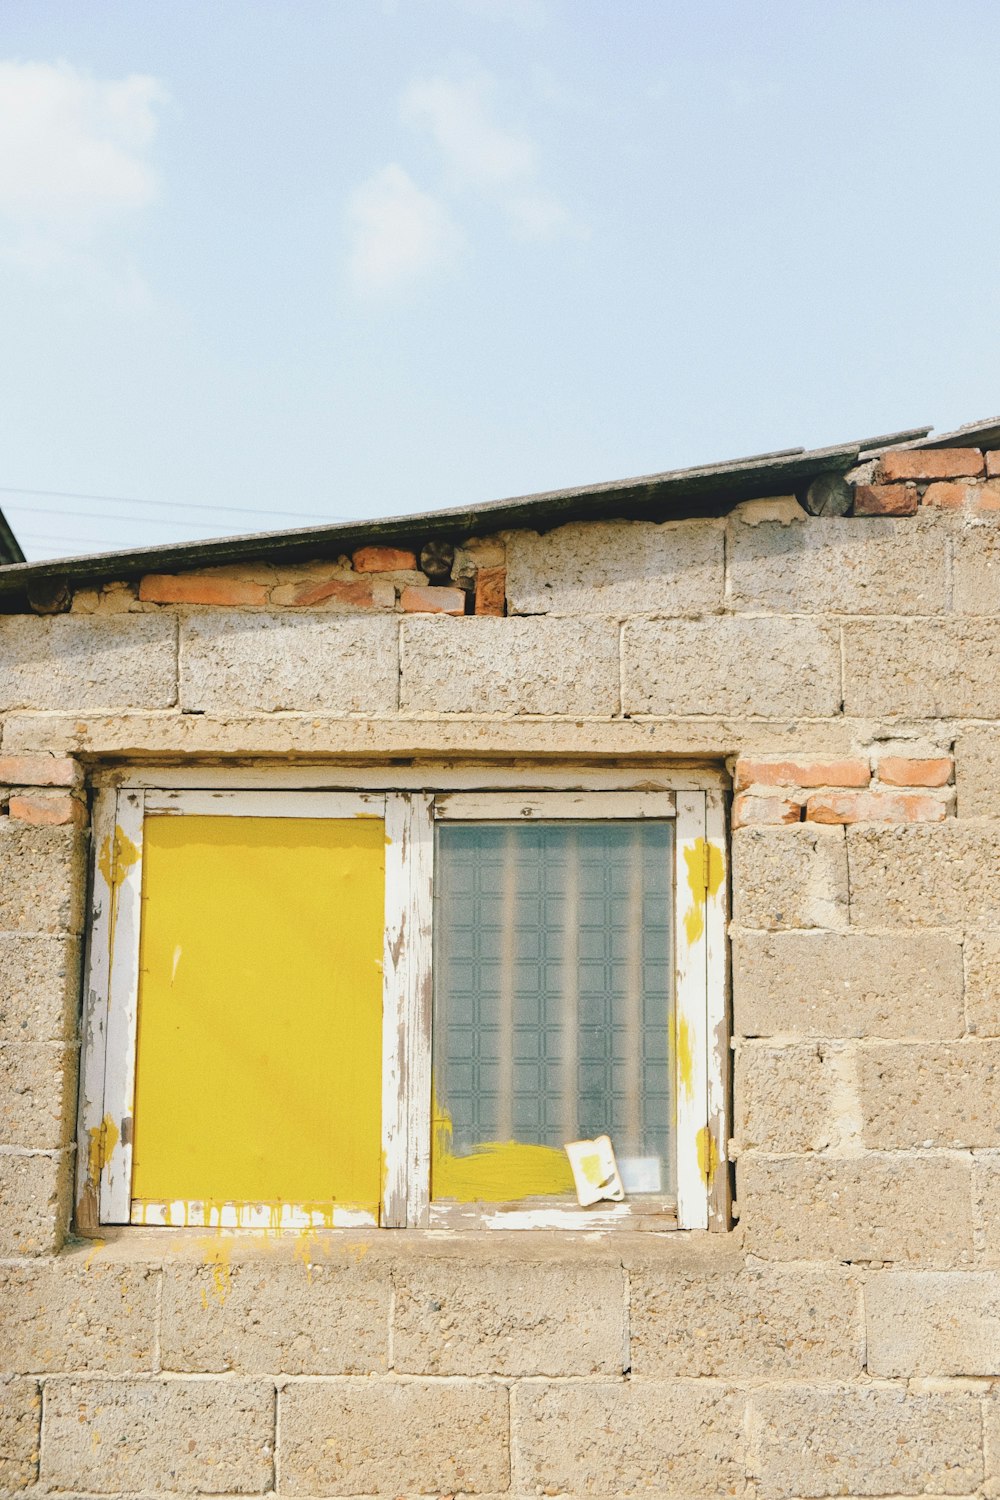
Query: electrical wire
x: 236, y: 510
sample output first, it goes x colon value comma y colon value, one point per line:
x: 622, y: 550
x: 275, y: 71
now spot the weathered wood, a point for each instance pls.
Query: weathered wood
x: 50, y: 596
x: 829, y: 495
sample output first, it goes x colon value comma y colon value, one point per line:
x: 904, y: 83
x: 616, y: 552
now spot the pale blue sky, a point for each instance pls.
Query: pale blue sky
x: 361, y: 257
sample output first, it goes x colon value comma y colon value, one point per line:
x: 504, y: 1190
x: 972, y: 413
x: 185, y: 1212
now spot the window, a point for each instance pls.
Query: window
x: 389, y: 1005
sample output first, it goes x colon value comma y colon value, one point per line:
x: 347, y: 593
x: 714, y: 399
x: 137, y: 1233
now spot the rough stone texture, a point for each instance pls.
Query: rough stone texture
x: 42, y: 878
x: 922, y: 668
x: 982, y: 983
x: 934, y: 1323
x: 177, y: 1436
x: 39, y: 988
x: 976, y: 571
x: 977, y: 772
x: 745, y: 1323
x: 604, y: 1438
x: 834, y: 565
x: 916, y: 1095
x: 794, y: 1098
x: 20, y: 1433
x: 70, y: 1315
x: 986, y: 1205
x: 621, y: 568
x: 37, y: 1095
x: 484, y: 665
x: 874, y: 1441
x: 922, y: 876
x: 869, y: 1208
x: 34, y: 1203
x: 756, y: 665
x: 329, y: 1318
x: 88, y: 662
x: 506, y: 1317
x: 828, y: 984
x: 267, y: 662
x: 790, y: 877
x: 375, y: 1437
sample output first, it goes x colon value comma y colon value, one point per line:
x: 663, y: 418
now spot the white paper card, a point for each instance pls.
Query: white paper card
x: 595, y: 1171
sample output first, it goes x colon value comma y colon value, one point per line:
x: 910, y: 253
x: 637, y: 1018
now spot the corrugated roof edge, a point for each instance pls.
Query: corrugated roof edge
x: 709, y: 490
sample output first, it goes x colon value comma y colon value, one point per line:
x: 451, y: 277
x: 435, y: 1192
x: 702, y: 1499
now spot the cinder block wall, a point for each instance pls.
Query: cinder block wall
x: 844, y: 1338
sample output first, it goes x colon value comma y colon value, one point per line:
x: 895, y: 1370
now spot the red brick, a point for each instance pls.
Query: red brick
x: 199, y: 588
x: 39, y: 770
x: 39, y: 808
x: 801, y: 773
x: 946, y: 496
x: 992, y: 464
x: 885, y: 500
x: 491, y: 591
x: 985, y: 496
x: 430, y: 601
x: 750, y: 809
x: 900, y: 770
x: 344, y: 590
x: 874, y: 807
x: 384, y: 560
x: 929, y: 463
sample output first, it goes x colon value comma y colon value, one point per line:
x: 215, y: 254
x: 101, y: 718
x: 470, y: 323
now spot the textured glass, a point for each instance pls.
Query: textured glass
x: 553, y: 987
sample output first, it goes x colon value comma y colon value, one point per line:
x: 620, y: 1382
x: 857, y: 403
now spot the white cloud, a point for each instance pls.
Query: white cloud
x: 456, y: 115
x: 398, y: 233
x: 71, y: 146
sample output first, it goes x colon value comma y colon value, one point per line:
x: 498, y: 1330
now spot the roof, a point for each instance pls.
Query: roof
x: 10, y: 547
x: 706, y: 490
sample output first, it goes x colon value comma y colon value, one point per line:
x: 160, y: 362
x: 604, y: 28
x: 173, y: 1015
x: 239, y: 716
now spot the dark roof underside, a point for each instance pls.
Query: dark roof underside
x: 708, y: 490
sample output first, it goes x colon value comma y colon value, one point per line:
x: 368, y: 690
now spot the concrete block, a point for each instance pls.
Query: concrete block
x: 790, y: 877
x: 976, y: 571
x: 674, y: 1440
x: 843, y: 564
x: 925, y: 876
x: 329, y: 1318
x: 155, y: 1436
x: 528, y: 666
x: 88, y: 662
x: 933, y: 1323
x: 269, y: 662
x: 977, y: 772
x: 922, y: 669
x: 72, y: 1315
x: 39, y: 988
x: 873, y: 1441
x: 747, y: 1323
x: 37, y: 1095
x: 873, y: 1207
x: 618, y: 568
x: 829, y: 984
x: 746, y: 665
x: 20, y: 1433
x: 507, y: 1316
x: 919, y: 1094
x: 986, y: 1205
x: 387, y: 1437
x: 795, y: 1098
x: 34, y: 1202
x: 42, y: 878
x: 982, y: 983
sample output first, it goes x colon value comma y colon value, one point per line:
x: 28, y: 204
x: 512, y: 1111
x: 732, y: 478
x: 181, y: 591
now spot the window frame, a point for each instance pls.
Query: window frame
x: 412, y: 801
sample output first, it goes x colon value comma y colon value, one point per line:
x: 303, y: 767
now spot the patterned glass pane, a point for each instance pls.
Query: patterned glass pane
x: 552, y: 1003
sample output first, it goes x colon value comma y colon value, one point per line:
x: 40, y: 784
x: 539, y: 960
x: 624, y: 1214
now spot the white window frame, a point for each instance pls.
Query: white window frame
x: 412, y: 803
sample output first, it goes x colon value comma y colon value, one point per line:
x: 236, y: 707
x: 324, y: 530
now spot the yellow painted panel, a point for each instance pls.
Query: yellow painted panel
x: 258, y: 1071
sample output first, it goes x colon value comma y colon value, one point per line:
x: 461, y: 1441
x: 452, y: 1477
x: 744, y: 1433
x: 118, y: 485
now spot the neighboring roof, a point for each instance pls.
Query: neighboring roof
x: 707, y: 490
x: 10, y: 547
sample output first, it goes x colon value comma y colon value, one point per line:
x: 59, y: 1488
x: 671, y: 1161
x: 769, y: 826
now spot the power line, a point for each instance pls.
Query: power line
x: 237, y: 510
x: 99, y: 515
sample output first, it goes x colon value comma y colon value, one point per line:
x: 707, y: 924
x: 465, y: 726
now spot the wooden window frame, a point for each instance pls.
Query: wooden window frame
x: 412, y: 803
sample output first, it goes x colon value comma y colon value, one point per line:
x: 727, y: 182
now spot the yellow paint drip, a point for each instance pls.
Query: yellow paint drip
x: 708, y: 1155
x: 705, y: 873
x: 103, y: 1140
x: 259, y: 1056
x: 118, y: 855
x: 685, y: 1056
x: 497, y: 1171
x: 216, y: 1255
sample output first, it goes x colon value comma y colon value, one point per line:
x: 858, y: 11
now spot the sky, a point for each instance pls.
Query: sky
x: 273, y: 264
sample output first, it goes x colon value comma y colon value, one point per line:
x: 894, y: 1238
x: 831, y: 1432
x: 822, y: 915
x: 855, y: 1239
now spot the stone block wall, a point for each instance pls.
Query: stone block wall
x: 843, y: 1339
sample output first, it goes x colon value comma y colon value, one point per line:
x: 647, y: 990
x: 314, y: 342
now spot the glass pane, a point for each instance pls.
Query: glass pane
x: 553, y: 996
